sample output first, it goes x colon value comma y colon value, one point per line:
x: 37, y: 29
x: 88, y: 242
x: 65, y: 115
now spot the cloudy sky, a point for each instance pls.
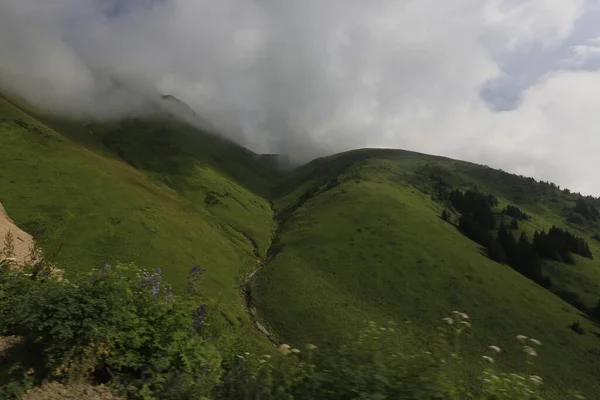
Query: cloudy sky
x: 512, y: 84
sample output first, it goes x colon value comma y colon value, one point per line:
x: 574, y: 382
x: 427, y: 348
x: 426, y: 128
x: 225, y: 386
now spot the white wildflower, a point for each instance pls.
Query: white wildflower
x: 449, y: 320
x: 535, y: 341
x: 521, y: 338
x: 295, y: 351
x: 267, y: 356
x: 494, y: 348
x: 488, y: 358
x: 530, y: 351
x: 536, y: 378
x: 284, y: 349
x: 310, y: 346
x: 466, y: 323
x: 460, y: 314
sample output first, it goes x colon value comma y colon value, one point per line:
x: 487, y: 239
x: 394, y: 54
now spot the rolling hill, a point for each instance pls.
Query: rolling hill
x: 343, y: 240
x: 361, y: 238
x: 88, y: 206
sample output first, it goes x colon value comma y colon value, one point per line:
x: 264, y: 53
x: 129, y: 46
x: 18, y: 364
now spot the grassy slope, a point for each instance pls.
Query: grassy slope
x: 370, y: 248
x: 77, y: 194
x: 221, y: 178
x: 374, y: 248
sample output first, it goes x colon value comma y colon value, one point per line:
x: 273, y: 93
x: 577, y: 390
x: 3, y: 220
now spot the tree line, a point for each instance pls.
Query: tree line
x: 479, y: 222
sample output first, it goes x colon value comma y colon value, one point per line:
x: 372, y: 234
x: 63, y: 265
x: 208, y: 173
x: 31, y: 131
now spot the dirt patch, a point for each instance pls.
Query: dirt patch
x: 23, y: 242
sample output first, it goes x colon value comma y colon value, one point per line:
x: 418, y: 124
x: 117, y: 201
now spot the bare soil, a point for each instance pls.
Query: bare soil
x: 23, y: 242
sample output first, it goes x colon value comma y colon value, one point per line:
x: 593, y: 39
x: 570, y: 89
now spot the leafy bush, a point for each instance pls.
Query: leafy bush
x: 576, y: 327
x: 116, y: 325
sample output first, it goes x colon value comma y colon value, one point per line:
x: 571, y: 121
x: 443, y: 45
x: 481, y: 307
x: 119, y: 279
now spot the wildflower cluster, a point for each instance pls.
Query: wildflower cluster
x: 512, y: 385
x: 290, y: 373
x: 527, y: 349
x: 194, y: 279
x: 152, y: 280
x: 458, y: 323
x: 459, y: 320
x: 199, y: 317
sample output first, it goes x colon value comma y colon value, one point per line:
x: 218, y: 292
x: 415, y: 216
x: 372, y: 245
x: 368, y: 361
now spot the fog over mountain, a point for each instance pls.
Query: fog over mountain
x: 508, y: 83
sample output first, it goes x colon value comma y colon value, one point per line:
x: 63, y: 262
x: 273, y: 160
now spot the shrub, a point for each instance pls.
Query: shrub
x: 116, y: 325
x: 576, y: 327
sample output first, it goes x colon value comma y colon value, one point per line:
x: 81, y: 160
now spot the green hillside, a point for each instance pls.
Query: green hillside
x: 361, y: 239
x: 341, y: 241
x: 89, y: 206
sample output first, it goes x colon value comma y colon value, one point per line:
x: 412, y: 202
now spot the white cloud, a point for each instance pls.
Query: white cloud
x: 584, y: 54
x: 312, y: 77
x: 544, y: 22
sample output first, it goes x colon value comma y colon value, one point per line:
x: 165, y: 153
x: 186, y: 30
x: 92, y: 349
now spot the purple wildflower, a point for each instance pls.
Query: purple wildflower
x: 152, y: 280
x: 104, y: 270
x: 199, y: 317
x: 194, y: 278
x: 169, y: 294
x: 195, y: 269
x: 156, y: 289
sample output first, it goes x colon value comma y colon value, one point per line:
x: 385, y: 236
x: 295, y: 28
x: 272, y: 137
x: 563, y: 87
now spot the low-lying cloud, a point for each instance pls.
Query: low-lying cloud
x: 313, y: 77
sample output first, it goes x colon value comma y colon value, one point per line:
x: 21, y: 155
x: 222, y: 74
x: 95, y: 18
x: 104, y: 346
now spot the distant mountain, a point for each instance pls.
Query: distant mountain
x: 178, y: 109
